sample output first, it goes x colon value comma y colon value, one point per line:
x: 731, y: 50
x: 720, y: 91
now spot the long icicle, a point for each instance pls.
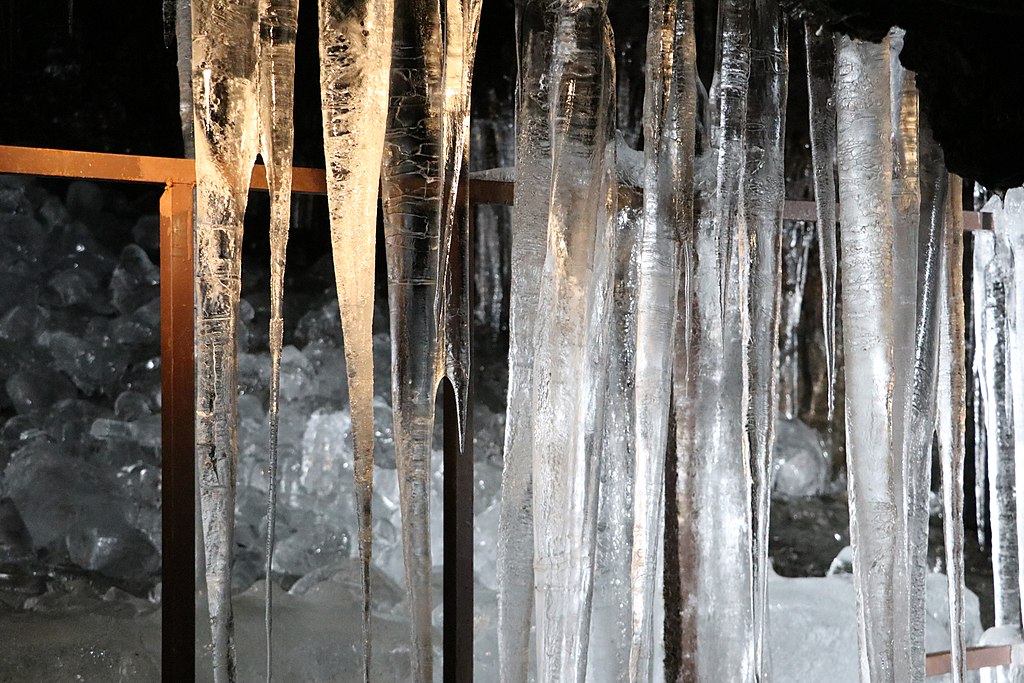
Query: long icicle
x: 865, y: 190
x: 566, y: 452
x: 411, y: 183
x: 534, y: 35
x: 355, y: 57
x: 276, y: 91
x: 919, y: 421
x: 906, y: 207
x: 224, y: 93
x: 657, y: 284
x: 821, y: 52
x: 952, y: 415
x: 760, y: 283
x: 733, y: 73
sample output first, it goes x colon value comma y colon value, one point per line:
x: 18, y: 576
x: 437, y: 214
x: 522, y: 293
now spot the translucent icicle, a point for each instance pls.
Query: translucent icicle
x: 611, y: 621
x: 991, y: 285
x: 906, y: 207
x: 796, y: 247
x: 865, y: 190
x: 732, y: 75
x: 275, y: 88
x: 223, y: 81
x: 919, y: 419
x: 980, y: 441
x: 567, y: 386
x: 355, y: 57
x: 534, y: 31
x: 821, y: 50
x: 411, y: 183
x: 760, y: 283
x: 462, y: 21
x: 952, y: 416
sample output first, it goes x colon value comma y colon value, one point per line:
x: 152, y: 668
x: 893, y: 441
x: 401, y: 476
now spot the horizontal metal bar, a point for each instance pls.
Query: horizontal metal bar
x: 939, y: 663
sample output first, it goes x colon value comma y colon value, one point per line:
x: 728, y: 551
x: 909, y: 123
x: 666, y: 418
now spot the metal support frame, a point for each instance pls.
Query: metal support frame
x: 178, y: 397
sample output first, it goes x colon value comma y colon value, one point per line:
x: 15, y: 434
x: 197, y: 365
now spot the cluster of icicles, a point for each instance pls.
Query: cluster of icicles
x: 641, y: 333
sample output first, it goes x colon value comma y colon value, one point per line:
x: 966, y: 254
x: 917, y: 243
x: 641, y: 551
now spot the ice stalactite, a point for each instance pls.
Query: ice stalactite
x: 567, y: 386
x: 760, y: 281
x: 611, y: 621
x: 224, y: 92
x: 275, y: 86
x: 919, y: 411
x: 821, y: 49
x: 355, y: 57
x: 865, y: 191
x: 412, y: 190
x: 906, y: 207
x: 951, y: 413
x: 669, y: 110
x: 796, y: 246
x: 729, y: 91
x: 992, y: 290
x: 534, y: 33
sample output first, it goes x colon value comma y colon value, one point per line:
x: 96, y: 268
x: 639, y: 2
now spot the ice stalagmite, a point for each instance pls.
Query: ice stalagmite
x: 276, y: 86
x: 462, y: 21
x: 952, y: 416
x: 411, y: 184
x: 760, y: 280
x: 919, y: 411
x: 865, y: 191
x: 730, y: 92
x: 566, y: 382
x: 669, y: 108
x: 821, y: 49
x: 992, y: 287
x: 355, y: 55
x: 223, y: 82
x: 534, y: 31
x: 611, y: 621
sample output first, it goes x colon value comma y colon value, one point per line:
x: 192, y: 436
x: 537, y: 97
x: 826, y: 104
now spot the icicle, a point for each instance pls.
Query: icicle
x: 611, y: 625
x: 567, y: 390
x: 732, y: 74
x: 981, y: 477
x: 534, y: 31
x: 223, y: 81
x: 820, y: 67
x: 796, y: 246
x: 865, y: 189
x: 991, y: 285
x: 951, y: 412
x: 919, y: 419
x: 355, y: 57
x: 413, y: 205
x: 275, y: 89
x: 462, y: 21
x: 760, y: 280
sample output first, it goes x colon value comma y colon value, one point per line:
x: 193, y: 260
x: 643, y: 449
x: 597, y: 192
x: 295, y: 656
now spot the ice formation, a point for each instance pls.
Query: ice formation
x: 355, y: 58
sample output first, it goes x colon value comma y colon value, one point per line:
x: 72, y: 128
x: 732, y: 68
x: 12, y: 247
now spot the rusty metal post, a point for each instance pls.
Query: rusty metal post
x: 177, y: 370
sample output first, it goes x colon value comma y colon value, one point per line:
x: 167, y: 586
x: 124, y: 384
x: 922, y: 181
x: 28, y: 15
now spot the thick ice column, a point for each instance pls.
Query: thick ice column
x: 821, y: 50
x: 951, y: 411
x: 992, y: 289
x: 223, y: 82
x: 669, y: 122
x: 534, y: 30
x: 276, y: 87
x: 865, y: 191
x: 411, y: 183
x: 355, y: 58
x: 567, y: 385
x: 919, y: 411
x: 760, y: 280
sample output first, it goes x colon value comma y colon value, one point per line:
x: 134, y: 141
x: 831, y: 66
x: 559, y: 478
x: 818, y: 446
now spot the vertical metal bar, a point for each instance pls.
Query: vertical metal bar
x: 459, y: 487
x: 177, y: 369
